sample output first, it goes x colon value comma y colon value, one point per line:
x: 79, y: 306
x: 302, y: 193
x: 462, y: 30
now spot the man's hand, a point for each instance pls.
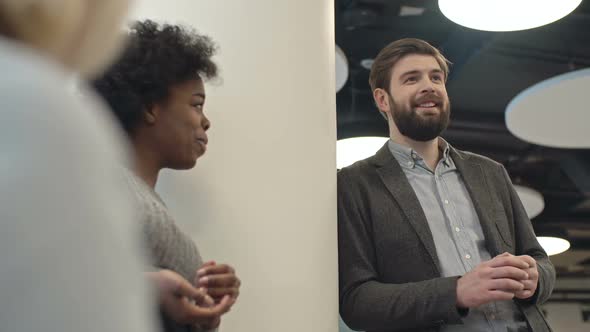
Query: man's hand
x: 530, y: 284
x: 186, y: 304
x: 498, y: 279
x: 218, y: 281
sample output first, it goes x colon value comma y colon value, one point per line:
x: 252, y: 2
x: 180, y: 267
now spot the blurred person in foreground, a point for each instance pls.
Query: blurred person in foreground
x: 69, y: 249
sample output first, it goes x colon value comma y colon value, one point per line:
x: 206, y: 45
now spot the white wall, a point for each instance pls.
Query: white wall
x: 263, y: 198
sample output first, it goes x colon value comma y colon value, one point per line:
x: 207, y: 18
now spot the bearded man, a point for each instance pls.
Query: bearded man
x: 432, y: 238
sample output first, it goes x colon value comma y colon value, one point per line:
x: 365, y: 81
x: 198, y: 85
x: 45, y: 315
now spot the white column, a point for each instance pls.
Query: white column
x: 263, y: 198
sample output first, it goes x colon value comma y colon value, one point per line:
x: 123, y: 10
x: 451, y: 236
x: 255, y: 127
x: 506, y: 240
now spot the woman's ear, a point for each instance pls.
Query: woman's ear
x: 151, y: 113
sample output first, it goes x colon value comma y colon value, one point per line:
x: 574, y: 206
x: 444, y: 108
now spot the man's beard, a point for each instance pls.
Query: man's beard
x: 419, y: 127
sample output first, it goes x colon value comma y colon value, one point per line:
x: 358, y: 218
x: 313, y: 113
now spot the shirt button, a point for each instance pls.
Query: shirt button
x: 446, y: 201
x: 468, y: 256
x: 410, y: 163
x: 457, y: 229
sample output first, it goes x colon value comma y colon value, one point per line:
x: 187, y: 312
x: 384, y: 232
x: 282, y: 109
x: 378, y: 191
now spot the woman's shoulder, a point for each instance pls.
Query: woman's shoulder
x: 27, y: 75
x: 41, y: 107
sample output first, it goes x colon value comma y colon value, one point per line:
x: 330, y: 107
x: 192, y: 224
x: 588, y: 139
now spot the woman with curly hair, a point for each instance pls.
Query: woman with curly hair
x: 156, y: 91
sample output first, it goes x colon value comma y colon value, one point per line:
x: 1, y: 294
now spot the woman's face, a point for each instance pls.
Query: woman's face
x: 179, y: 132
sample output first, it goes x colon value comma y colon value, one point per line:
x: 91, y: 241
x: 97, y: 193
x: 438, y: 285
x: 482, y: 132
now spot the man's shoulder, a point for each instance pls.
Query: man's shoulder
x: 361, y: 176
x: 359, y: 168
x: 493, y: 170
x: 478, y: 159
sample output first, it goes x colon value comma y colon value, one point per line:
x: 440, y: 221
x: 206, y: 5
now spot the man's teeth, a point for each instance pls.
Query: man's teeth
x: 431, y: 104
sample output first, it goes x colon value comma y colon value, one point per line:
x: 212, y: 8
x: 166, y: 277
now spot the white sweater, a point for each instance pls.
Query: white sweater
x: 70, y: 257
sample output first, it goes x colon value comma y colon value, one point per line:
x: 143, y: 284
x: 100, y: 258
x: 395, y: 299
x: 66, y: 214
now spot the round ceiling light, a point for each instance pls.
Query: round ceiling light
x: 531, y: 199
x: 506, y: 15
x: 367, y: 63
x: 341, y: 69
x: 350, y: 150
x: 552, y: 112
x: 553, y: 245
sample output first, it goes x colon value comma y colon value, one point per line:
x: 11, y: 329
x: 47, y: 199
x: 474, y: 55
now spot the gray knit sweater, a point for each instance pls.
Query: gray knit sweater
x: 169, y: 247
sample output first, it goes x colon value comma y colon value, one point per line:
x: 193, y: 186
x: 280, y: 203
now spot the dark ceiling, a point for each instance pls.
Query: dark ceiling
x: 489, y: 69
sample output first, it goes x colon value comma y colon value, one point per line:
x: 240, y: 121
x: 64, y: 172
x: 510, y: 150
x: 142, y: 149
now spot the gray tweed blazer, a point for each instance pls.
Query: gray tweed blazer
x: 389, y: 273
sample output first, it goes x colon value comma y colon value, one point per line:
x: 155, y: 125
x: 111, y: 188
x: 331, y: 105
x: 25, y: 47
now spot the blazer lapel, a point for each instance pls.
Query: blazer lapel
x: 398, y: 185
x: 475, y: 182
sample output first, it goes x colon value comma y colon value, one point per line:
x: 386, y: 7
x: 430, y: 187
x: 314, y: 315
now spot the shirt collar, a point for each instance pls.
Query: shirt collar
x: 445, y: 148
x: 408, y: 157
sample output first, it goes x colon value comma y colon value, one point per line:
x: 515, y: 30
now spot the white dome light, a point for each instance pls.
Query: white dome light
x: 531, y: 199
x: 553, y: 112
x: 341, y: 68
x: 553, y: 245
x: 353, y: 149
x: 506, y: 15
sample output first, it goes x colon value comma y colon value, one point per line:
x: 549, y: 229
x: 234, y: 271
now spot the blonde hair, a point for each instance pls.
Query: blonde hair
x: 84, y: 35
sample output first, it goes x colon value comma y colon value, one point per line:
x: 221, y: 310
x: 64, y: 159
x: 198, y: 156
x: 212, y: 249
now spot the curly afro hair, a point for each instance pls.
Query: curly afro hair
x: 156, y: 58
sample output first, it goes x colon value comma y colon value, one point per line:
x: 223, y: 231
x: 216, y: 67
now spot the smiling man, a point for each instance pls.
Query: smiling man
x: 432, y: 238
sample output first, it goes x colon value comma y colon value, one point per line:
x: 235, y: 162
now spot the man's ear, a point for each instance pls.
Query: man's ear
x: 381, y: 98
